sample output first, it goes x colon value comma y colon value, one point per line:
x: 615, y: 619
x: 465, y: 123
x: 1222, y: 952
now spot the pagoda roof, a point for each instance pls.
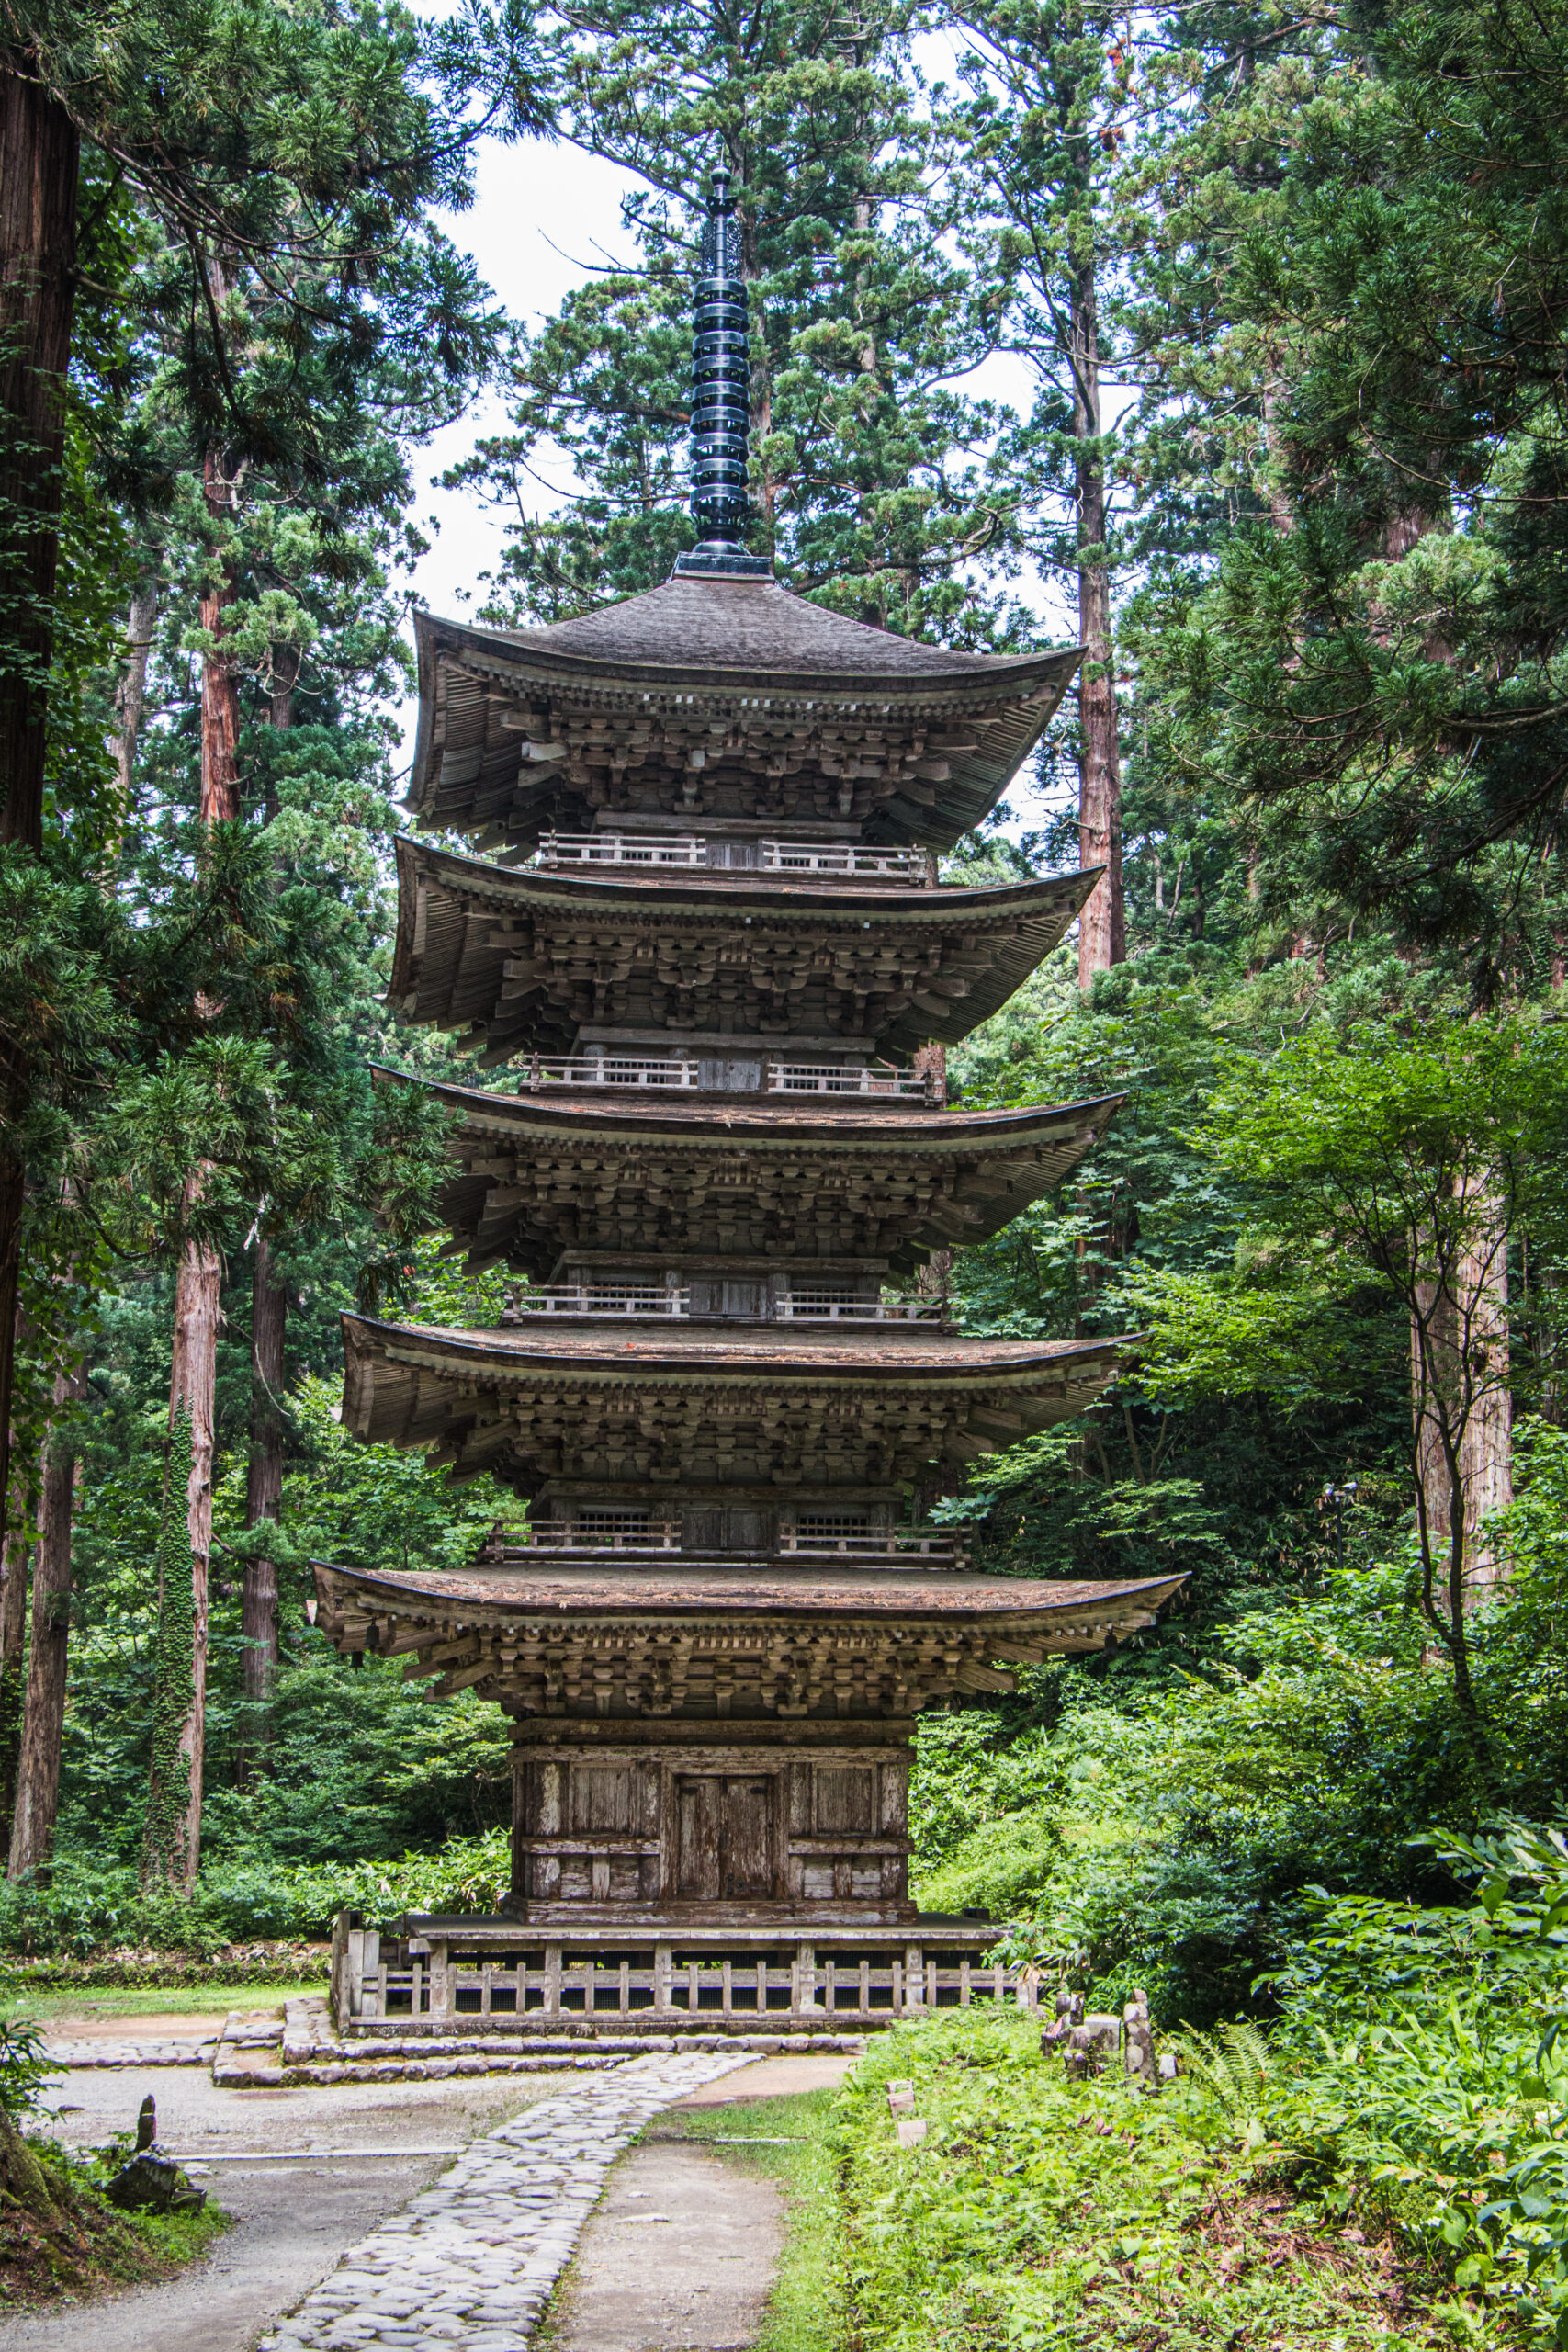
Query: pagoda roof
x: 527, y: 960
x: 781, y: 670
x: 605, y: 1171
x: 795, y: 1641
x: 761, y: 1406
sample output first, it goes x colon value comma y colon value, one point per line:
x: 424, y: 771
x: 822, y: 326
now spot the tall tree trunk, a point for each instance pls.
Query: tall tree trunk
x: 129, y: 699
x: 13, y: 1200
x: 194, y: 1383
x: 38, y: 157
x: 1467, y: 1367
x: 43, y: 1712
x: 264, y: 1485
x: 269, y: 1323
x: 198, y: 1284
x: 15, y: 1560
x: 1102, y: 926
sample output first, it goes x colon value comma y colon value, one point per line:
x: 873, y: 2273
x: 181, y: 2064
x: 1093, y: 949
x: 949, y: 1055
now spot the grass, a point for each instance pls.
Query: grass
x: 192, y: 2000
x: 802, y: 2313
x: 1042, y: 2216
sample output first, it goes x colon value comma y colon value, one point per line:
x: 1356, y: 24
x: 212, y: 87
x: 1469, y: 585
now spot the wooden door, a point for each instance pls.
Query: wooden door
x: 746, y: 1841
x: 698, y: 1807
x: 746, y: 1531
x: 724, y: 1831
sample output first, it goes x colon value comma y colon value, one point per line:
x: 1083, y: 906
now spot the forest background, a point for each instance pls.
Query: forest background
x: 1289, y: 296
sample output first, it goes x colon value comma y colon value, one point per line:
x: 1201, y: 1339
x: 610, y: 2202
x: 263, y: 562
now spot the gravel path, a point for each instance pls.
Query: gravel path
x: 467, y: 2267
x: 293, y: 2218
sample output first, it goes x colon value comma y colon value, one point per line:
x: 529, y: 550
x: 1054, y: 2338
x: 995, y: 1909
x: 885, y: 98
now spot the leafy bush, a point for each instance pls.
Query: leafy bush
x: 24, y: 2069
x: 82, y: 1911
x: 1422, y: 2068
x: 1170, y: 1835
x: 1042, y: 2215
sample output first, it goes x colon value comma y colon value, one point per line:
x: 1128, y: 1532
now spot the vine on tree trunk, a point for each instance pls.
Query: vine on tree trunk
x: 174, y: 1678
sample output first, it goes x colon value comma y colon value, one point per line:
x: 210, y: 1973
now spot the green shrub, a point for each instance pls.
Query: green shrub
x: 1421, y: 2065
x: 82, y: 1911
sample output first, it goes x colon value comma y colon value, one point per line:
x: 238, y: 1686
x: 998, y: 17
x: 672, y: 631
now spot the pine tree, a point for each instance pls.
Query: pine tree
x: 1035, y: 128
x: 310, y: 142
x: 870, y: 474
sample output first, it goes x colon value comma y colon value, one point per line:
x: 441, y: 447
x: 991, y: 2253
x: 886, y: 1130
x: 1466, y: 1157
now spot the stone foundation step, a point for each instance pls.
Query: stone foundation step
x: 255, y: 2050
x: 130, y: 2053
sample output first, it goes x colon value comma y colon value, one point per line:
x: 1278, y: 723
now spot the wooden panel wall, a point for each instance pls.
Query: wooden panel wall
x: 709, y: 1830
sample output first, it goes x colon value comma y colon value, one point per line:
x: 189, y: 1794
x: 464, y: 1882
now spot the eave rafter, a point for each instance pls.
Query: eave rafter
x: 525, y: 962
x: 517, y: 735
x: 762, y: 1410
x: 728, y: 1644
x: 542, y: 1178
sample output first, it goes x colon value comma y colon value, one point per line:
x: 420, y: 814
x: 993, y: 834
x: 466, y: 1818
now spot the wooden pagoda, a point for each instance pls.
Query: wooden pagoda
x: 704, y: 942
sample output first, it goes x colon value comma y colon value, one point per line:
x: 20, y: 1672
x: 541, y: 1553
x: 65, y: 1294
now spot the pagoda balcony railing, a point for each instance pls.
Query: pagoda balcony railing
x: 622, y: 849
x: 892, y: 1542
x: 601, y: 1298
x: 674, y: 1303
x: 609, y: 1070
x: 689, y: 851
x: 682, y: 1074
x: 824, y: 1306
x: 908, y: 865
x: 654, y: 1538
x: 834, y: 1078
x: 652, y: 1535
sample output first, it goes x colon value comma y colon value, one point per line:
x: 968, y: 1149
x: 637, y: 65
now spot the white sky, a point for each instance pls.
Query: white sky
x: 546, y: 218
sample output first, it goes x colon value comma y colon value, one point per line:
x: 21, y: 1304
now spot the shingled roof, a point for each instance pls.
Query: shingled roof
x: 786, y: 676
x: 705, y: 627
x: 524, y: 960
x: 854, y: 1408
x: 840, y: 1643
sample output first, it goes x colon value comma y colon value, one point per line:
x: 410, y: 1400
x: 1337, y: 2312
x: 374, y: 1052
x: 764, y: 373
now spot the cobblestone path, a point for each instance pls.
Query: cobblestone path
x: 468, y: 2265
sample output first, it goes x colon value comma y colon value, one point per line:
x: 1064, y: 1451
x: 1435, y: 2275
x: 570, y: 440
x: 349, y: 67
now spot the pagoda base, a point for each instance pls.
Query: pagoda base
x: 666, y: 1976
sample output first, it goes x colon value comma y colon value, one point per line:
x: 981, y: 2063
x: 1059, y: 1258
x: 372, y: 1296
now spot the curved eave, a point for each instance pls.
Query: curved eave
x: 461, y: 979
x: 1005, y: 1604
x: 722, y: 1125
x: 1009, y: 705
x: 981, y: 1170
x: 753, y: 1360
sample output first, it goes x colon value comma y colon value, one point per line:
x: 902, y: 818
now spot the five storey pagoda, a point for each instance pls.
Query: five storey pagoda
x: 704, y: 938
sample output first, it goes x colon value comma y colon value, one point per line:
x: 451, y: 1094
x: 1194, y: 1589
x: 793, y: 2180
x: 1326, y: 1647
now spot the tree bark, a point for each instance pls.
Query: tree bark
x: 44, y: 1711
x: 220, y: 698
x: 194, y: 1383
x: 129, y: 699
x: 1461, y: 1392
x: 263, y: 1484
x: 198, y: 1286
x: 38, y: 157
x: 13, y: 1202
x: 1103, y: 925
x: 15, y: 1560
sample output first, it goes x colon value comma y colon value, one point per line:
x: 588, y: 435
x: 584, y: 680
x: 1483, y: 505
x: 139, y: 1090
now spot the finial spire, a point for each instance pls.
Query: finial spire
x: 721, y: 399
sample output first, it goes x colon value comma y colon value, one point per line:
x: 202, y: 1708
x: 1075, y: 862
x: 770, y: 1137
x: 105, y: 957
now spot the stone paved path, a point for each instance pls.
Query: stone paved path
x: 468, y: 2265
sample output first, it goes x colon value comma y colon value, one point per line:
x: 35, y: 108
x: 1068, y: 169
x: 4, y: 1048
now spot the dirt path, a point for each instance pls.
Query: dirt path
x: 677, y: 2256
x: 680, y: 2253
x: 293, y: 2218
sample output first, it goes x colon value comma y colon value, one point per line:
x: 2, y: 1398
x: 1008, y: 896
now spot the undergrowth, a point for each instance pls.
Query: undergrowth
x: 1038, y: 2214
